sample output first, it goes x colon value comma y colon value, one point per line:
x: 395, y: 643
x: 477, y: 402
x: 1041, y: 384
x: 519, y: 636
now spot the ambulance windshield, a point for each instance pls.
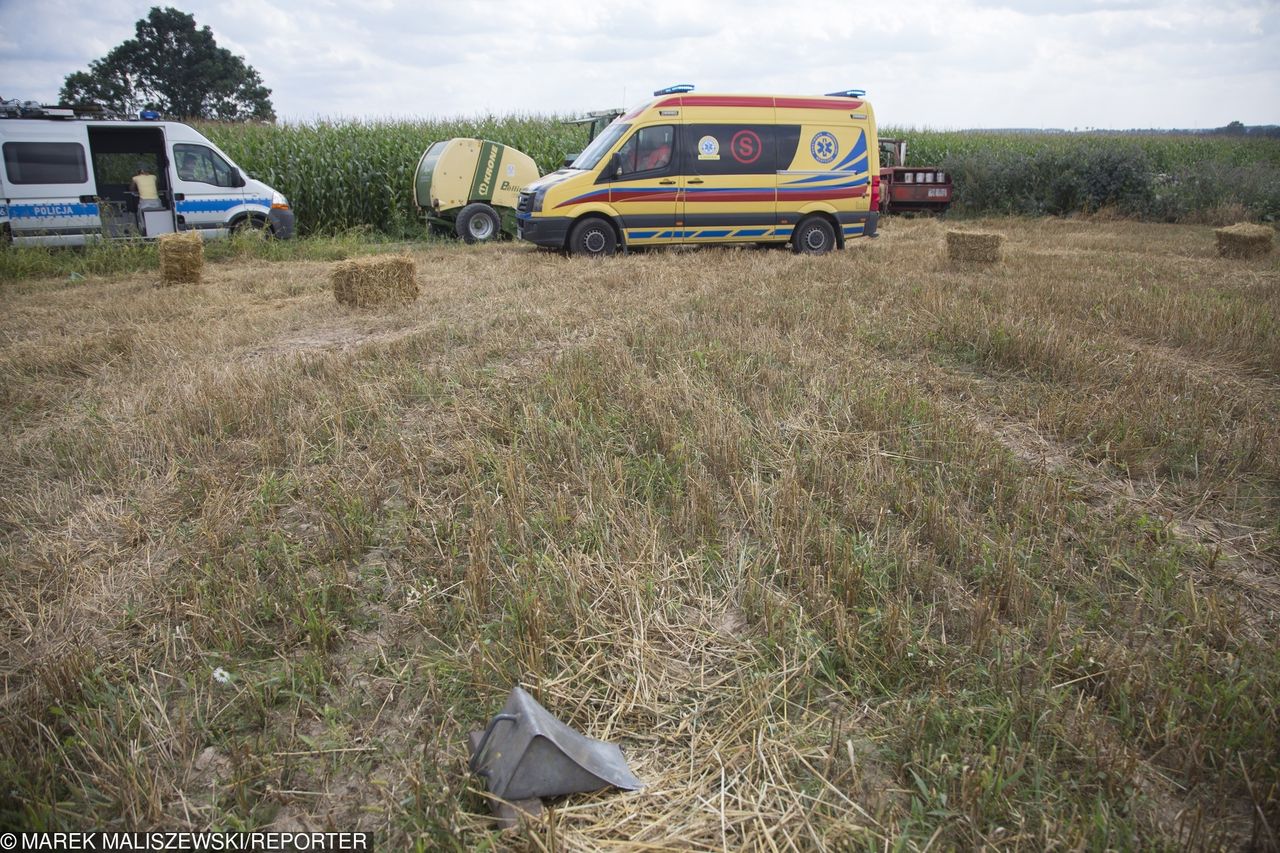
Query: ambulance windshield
x: 599, y: 146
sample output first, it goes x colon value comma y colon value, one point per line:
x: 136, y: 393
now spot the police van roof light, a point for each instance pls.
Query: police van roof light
x: 678, y: 89
x: 149, y: 115
x: 848, y: 93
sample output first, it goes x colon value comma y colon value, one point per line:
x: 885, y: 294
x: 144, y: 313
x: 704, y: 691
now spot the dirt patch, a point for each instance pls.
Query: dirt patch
x: 340, y: 337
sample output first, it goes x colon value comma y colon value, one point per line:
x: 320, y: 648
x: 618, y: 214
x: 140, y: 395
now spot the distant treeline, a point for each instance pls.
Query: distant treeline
x: 359, y: 174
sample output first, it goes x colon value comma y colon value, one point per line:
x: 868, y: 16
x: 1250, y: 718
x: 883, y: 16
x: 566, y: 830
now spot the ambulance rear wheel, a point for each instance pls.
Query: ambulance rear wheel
x: 813, y: 236
x: 593, y: 238
x: 478, y: 223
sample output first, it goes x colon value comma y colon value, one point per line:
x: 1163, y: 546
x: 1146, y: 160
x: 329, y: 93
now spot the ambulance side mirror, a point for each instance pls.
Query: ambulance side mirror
x: 615, y: 165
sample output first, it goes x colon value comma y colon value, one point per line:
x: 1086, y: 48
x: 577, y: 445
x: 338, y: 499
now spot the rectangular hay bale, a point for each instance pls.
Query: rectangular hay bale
x: 1244, y: 240
x: 181, y: 258
x: 375, y: 280
x: 974, y: 246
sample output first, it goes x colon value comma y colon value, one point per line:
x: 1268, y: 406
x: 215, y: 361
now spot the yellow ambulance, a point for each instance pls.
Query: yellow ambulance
x: 690, y: 168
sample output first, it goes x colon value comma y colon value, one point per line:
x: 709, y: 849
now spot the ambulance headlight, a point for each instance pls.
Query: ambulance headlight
x: 539, y: 195
x: 278, y: 201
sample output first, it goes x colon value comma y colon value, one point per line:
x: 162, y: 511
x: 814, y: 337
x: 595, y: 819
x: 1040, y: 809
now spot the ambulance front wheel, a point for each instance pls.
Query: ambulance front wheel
x: 478, y: 223
x: 593, y: 238
x: 813, y: 236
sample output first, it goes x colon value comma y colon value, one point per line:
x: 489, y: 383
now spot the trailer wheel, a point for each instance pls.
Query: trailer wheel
x: 813, y: 236
x: 478, y: 223
x: 593, y: 238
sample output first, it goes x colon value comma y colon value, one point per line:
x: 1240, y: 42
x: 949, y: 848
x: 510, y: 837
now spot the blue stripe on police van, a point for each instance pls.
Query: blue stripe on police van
x: 51, y: 210
x: 724, y: 233
x: 217, y: 205
x: 641, y: 235
x: 753, y: 232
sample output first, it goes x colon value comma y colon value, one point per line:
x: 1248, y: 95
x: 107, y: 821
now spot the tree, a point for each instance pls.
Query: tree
x: 174, y: 68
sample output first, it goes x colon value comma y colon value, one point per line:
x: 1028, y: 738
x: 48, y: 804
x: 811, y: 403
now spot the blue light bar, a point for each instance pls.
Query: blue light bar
x: 149, y: 115
x: 678, y: 89
x: 848, y: 93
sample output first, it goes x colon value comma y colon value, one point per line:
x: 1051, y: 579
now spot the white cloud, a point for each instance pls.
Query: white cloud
x: 1106, y: 63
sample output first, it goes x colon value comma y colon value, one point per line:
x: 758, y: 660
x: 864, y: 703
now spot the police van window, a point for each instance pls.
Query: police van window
x: 201, y: 164
x: 45, y: 163
x: 733, y: 149
x: 649, y: 149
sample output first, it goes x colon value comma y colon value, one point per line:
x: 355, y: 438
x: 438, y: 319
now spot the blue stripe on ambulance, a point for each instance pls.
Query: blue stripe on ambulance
x: 705, y: 233
x: 858, y: 153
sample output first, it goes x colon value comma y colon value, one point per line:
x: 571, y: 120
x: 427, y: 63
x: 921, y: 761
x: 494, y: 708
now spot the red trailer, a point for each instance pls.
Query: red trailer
x: 903, y: 188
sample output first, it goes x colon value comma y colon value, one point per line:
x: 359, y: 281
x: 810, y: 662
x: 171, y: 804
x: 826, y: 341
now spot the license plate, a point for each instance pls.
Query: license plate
x: 937, y: 193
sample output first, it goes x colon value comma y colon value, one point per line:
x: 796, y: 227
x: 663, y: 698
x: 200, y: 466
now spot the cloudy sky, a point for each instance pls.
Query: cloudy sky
x: 925, y: 63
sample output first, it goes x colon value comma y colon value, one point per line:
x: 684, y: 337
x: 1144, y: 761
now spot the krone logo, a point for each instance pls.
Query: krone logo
x: 488, y: 171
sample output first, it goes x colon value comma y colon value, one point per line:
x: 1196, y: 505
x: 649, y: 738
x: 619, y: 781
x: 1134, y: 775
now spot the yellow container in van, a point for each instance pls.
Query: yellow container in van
x: 703, y: 168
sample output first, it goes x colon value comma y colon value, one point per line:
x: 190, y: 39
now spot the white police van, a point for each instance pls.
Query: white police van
x: 67, y: 181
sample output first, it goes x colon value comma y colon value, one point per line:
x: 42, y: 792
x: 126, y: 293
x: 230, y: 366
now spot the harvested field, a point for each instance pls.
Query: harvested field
x: 844, y: 551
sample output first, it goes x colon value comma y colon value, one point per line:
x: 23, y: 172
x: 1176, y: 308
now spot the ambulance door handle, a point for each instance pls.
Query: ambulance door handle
x: 695, y: 180
x: 667, y: 181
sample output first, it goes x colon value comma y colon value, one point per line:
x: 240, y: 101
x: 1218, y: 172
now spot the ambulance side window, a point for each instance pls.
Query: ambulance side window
x: 45, y: 163
x: 648, y: 150
x: 201, y: 164
x: 732, y: 149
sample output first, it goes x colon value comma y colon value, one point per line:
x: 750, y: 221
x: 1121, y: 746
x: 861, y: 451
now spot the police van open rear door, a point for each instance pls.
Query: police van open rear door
x: 49, y: 183
x: 119, y: 150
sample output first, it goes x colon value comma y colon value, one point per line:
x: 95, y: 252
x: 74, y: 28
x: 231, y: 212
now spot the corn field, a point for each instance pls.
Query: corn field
x: 359, y: 174
x: 343, y: 175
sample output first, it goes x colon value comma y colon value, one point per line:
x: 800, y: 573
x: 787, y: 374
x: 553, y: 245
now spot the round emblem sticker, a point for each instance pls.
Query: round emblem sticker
x: 511, y: 170
x: 824, y: 146
x: 745, y: 146
x: 708, y: 148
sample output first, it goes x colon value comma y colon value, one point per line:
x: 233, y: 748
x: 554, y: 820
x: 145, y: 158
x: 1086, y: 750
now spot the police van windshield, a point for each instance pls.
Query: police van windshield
x: 591, y: 155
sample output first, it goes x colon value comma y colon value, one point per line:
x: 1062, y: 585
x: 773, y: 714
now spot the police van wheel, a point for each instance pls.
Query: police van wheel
x: 814, y: 236
x: 478, y: 223
x: 253, y: 225
x: 593, y: 238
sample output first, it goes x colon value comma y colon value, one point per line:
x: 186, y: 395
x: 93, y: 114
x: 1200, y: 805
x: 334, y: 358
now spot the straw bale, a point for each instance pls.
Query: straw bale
x: 974, y: 246
x: 375, y: 280
x: 181, y: 258
x: 1244, y: 240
